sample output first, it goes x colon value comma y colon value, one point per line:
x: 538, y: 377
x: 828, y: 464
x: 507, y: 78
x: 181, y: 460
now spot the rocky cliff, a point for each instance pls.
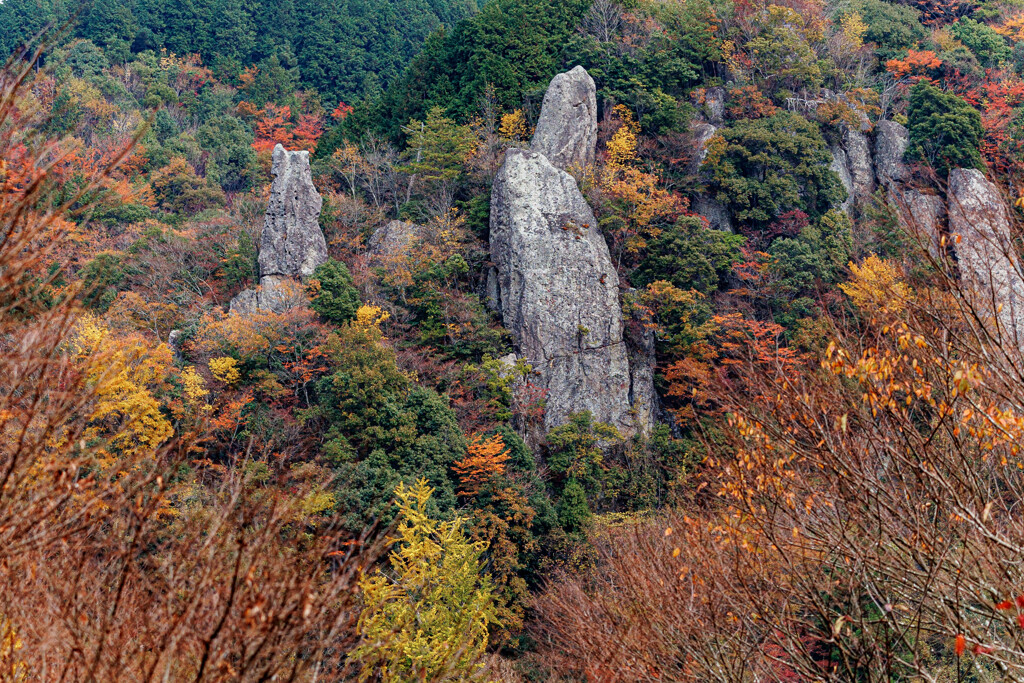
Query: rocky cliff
x: 566, y: 131
x: 292, y: 244
x: 979, y: 225
x: 559, y: 295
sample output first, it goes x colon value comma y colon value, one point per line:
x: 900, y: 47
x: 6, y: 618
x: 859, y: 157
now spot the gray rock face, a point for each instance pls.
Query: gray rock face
x: 702, y: 133
x: 559, y: 294
x: 988, y: 261
x: 712, y: 210
x: 841, y: 165
x: 891, y: 141
x: 292, y: 244
x: 714, y: 105
x: 923, y: 216
x: 858, y: 159
x: 851, y: 160
x: 393, y: 239
x: 567, y: 128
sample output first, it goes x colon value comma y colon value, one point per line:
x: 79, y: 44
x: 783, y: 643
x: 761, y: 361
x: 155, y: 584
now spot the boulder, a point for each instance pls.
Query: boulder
x: 979, y: 224
x: 567, y: 128
x: 891, y: 141
x: 559, y: 295
x: 292, y: 243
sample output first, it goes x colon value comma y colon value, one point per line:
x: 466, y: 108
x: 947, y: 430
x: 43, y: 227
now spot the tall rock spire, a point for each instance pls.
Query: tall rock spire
x: 292, y: 244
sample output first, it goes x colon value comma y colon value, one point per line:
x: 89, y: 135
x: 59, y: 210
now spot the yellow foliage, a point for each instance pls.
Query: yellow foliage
x: 1012, y: 28
x: 368, y: 317
x: 622, y: 147
x: 12, y: 669
x: 854, y: 28
x: 513, y: 127
x: 877, y: 284
x: 428, y: 619
x: 225, y: 369
x: 122, y: 372
x: 195, y: 389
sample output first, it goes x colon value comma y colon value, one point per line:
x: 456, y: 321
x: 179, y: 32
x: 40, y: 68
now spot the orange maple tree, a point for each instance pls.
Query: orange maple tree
x: 485, y: 459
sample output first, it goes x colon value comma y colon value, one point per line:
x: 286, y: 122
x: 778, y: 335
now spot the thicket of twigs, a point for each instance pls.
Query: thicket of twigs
x: 860, y: 514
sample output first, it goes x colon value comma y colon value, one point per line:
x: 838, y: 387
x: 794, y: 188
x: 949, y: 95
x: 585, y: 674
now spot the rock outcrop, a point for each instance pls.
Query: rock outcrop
x: 713, y: 211
x: 566, y: 131
x: 989, y: 265
x: 714, y: 105
x: 891, y: 140
x: 702, y: 134
x: 391, y: 240
x: 858, y: 158
x: 559, y: 295
x: 851, y: 160
x: 292, y: 244
x: 922, y: 215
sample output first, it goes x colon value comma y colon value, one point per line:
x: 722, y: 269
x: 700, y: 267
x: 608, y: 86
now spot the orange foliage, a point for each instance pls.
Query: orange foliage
x: 918, y: 65
x: 274, y: 126
x: 485, y: 459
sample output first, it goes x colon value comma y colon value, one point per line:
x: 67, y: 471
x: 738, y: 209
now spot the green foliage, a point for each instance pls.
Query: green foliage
x: 427, y: 619
x: 651, y: 74
x: 232, y: 162
x: 573, y: 509
x: 512, y: 45
x: 689, y: 256
x: 382, y: 431
x: 336, y: 298
x: 892, y: 27
x: 784, y: 57
x: 945, y: 131
x: 989, y: 47
x: 438, y: 147
x: 576, y: 452
x: 818, y: 255
x: 762, y: 168
x: 104, y: 273
x: 337, y: 47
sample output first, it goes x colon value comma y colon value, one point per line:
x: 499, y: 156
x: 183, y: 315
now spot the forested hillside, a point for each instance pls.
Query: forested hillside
x: 343, y: 49
x: 519, y: 340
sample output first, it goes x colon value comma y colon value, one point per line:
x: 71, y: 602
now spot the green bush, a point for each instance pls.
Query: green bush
x: 945, y: 131
x: 336, y: 298
x: 762, y: 168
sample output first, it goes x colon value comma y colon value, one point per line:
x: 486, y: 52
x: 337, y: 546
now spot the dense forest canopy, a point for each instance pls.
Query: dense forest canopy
x: 343, y: 49
x: 519, y: 340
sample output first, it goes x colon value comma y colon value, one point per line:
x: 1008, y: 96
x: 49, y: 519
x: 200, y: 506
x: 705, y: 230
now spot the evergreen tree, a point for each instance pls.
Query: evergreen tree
x: 945, y: 131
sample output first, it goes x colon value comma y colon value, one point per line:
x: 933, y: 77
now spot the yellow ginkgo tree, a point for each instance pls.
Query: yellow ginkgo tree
x: 427, y: 619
